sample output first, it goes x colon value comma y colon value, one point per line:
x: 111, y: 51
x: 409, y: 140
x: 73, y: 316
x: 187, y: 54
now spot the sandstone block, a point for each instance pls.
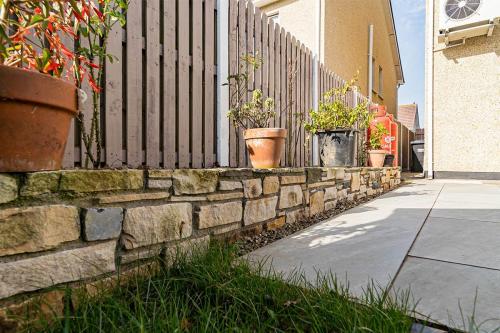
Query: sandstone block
x: 219, y: 214
x: 187, y: 198
x: 163, y: 184
x: 157, y: 224
x: 8, y: 188
x: 40, y: 183
x: 290, y: 196
x: 133, y: 197
x: 342, y: 194
x: 293, y: 179
x: 313, y: 175
x: 355, y: 181
x: 252, y: 188
x: 102, y: 223
x: 276, y: 223
x: 230, y: 185
x: 160, y: 173
x: 330, y: 193
x: 362, y: 189
x: 316, y: 203
x: 330, y: 205
x: 101, y: 180
x: 271, y: 184
x: 260, y: 210
x: 224, y: 196
x: 339, y: 173
x: 38, y: 228
x: 195, y: 181
x: 55, y: 268
x: 297, y: 215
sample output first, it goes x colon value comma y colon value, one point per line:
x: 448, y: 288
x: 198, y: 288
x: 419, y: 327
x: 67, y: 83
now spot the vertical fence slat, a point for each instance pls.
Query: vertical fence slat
x: 183, y: 83
x: 69, y: 150
x: 196, y: 86
x: 169, y: 84
x: 209, y: 83
x: 283, y: 87
x: 271, y: 48
x: 277, y: 74
x: 258, y: 47
x: 265, y: 54
x: 242, y: 46
x: 233, y: 69
x: 113, y: 99
x: 153, y: 83
x: 134, y: 84
x: 87, y: 110
x: 293, y: 89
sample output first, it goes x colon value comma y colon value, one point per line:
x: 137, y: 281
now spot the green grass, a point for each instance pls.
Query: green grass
x: 212, y: 292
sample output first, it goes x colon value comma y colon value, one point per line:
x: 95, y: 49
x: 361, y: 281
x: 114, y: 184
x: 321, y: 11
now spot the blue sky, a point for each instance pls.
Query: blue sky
x: 409, y: 16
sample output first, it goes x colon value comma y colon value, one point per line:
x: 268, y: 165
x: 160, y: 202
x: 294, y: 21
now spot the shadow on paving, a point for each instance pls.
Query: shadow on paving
x: 450, y: 265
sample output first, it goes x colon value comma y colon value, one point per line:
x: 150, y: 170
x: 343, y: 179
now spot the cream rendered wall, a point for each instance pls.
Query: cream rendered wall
x: 344, y: 39
x: 298, y: 17
x: 346, y: 45
x: 467, y: 104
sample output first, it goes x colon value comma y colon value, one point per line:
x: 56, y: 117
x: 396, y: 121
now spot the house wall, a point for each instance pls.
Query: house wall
x: 466, y: 106
x: 298, y: 17
x: 346, y: 46
x: 344, y: 39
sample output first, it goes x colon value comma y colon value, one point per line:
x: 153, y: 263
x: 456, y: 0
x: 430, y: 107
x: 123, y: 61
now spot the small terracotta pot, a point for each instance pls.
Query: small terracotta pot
x: 35, y: 116
x: 376, y: 158
x: 265, y: 146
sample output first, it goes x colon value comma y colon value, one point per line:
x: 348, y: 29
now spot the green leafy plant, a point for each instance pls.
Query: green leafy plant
x: 376, y: 136
x: 244, y: 112
x: 334, y: 113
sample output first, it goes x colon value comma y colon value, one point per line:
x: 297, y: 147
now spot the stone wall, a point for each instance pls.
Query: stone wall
x: 63, y: 227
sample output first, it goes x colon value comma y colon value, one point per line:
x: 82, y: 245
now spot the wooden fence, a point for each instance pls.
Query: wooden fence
x: 159, y: 98
x: 159, y: 104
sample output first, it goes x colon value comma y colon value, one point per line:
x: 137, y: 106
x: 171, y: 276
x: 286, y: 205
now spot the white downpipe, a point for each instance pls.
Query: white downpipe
x: 370, y: 62
x: 222, y: 74
x: 429, y: 89
x: 316, y: 60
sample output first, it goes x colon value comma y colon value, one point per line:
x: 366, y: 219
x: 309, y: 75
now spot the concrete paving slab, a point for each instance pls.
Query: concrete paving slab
x: 462, y: 241
x: 446, y: 292
x: 366, y: 243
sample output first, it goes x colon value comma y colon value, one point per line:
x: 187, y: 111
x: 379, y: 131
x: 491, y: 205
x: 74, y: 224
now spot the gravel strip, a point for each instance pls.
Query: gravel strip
x: 250, y: 243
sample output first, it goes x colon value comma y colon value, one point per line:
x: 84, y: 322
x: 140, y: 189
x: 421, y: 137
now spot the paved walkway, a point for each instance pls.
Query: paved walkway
x: 439, y: 239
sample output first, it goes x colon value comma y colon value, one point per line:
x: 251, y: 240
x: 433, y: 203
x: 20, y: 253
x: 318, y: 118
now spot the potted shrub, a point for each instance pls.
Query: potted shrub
x: 253, y: 114
x: 337, y: 125
x: 40, y: 76
x: 376, y: 155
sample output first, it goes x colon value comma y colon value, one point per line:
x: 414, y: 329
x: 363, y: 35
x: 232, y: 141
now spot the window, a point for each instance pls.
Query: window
x: 274, y: 17
x: 380, y: 81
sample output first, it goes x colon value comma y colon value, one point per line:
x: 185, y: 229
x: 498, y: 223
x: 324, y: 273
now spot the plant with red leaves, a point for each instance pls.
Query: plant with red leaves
x: 65, y: 39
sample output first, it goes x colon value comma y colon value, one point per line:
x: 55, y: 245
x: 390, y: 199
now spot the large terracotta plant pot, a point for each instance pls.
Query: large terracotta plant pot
x: 376, y: 157
x: 265, y: 146
x: 35, y: 117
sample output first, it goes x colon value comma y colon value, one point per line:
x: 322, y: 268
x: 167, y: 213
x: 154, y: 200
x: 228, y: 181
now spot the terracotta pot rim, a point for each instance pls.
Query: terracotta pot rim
x: 259, y: 133
x: 377, y: 151
x: 66, y: 93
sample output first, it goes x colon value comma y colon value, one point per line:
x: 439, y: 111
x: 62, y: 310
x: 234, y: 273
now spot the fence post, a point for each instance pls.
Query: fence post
x: 357, y: 134
x: 315, y: 96
x: 222, y: 74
